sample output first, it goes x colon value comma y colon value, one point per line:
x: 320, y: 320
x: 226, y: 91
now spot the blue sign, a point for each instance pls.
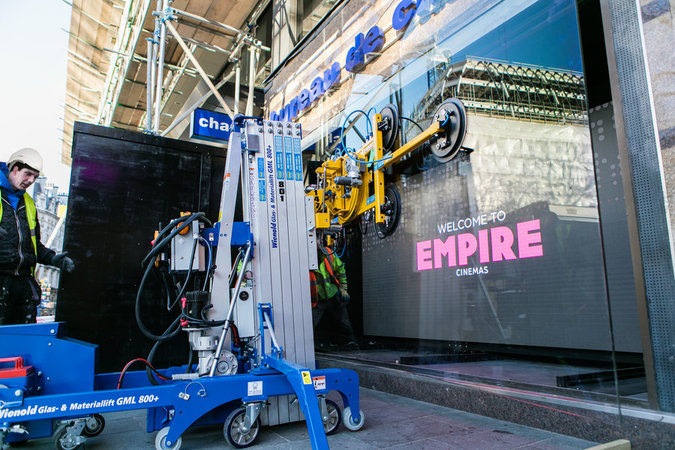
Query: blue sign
x: 371, y: 42
x: 210, y: 125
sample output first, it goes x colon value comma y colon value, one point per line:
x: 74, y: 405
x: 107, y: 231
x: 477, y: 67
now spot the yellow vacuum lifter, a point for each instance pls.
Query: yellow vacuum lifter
x: 352, y: 184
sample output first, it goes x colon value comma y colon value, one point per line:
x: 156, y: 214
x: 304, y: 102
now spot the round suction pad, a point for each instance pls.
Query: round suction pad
x: 390, y: 117
x: 452, y: 115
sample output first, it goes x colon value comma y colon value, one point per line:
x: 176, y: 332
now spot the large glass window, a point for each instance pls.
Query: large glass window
x: 496, y: 267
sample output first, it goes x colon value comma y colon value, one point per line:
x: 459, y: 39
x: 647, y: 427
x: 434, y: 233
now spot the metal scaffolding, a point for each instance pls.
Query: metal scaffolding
x: 518, y: 91
x: 116, y: 79
x: 156, y: 93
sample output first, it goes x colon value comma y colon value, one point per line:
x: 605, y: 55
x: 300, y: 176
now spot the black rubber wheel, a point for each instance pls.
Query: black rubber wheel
x: 94, y: 425
x: 61, y: 441
x: 334, y: 417
x: 453, y: 115
x: 392, y: 212
x: 233, y: 432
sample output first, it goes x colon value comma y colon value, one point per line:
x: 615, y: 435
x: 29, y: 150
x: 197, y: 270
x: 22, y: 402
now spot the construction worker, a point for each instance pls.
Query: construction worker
x: 332, y: 296
x: 20, y: 246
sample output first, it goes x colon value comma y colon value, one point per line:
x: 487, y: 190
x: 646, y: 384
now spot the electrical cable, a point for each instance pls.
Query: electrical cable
x: 342, y: 129
x: 413, y: 122
x: 157, y: 246
x: 168, y: 334
x: 343, y: 243
x: 160, y: 275
x: 189, y: 274
x: 149, y: 262
x: 208, y: 264
x: 365, y: 162
x: 124, y: 371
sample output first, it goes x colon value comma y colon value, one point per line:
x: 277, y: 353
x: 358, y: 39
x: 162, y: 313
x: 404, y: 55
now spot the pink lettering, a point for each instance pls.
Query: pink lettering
x: 466, y: 245
x: 502, y: 240
x: 529, y: 239
x: 491, y: 244
x: 446, y: 249
x: 424, y: 259
x: 483, y: 249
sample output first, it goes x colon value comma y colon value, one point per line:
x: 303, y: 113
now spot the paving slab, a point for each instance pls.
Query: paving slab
x: 392, y: 422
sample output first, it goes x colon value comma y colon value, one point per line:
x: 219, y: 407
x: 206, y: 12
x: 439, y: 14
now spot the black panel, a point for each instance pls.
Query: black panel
x: 594, y: 53
x: 123, y: 184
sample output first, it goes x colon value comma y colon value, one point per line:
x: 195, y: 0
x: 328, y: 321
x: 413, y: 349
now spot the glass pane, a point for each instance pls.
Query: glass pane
x: 495, y: 269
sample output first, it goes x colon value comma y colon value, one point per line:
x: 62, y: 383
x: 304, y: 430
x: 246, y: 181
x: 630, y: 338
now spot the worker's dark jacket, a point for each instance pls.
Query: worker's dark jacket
x: 17, y: 254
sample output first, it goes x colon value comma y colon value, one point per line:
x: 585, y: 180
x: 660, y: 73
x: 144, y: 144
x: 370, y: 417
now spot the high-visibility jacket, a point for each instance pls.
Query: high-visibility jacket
x: 331, y: 276
x: 17, y: 256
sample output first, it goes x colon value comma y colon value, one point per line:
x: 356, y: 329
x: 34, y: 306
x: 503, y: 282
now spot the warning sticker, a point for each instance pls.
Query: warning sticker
x: 255, y: 388
x: 319, y: 383
x: 306, y: 377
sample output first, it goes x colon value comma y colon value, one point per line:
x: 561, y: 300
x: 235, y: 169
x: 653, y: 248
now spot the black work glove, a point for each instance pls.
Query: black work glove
x: 62, y: 261
x: 3, y: 232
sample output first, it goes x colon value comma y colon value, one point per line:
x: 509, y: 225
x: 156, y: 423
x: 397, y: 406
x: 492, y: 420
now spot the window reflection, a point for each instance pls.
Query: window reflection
x: 498, y: 254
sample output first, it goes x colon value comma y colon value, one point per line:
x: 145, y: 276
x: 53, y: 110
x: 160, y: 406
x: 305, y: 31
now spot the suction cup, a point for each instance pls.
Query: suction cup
x: 390, y: 126
x: 392, y: 212
x: 452, y: 116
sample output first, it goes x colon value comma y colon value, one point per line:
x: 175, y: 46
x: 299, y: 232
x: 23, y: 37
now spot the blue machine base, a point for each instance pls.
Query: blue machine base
x: 63, y: 386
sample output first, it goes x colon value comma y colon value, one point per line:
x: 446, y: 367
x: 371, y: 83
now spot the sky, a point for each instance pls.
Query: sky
x: 33, y: 81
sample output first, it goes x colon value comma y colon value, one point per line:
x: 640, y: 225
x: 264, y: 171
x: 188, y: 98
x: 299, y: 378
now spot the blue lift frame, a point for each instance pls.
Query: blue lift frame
x: 62, y: 385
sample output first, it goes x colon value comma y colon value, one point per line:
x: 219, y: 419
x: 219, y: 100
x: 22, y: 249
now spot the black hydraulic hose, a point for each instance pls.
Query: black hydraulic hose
x: 164, y: 283
x: 413, y: 122
x: 137, y: 306
x: 148, y: 261
x: 165, y: 240
x: 168, y: 335
x: 187, y: 279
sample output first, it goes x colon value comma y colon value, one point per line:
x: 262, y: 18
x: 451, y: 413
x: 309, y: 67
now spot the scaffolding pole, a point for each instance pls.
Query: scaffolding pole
x: 196, y: 105
x: 150, y: 83
x: 237, y: 87
x: 160, y: 60
x: 205, y: 77
x: 253, y: 62
x: 156, y: 65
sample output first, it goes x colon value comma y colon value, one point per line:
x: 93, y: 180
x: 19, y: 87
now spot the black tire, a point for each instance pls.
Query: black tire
x: 94, y: 425
x: 334, y: 415
x: 61, y: 442
x: 233, y: 433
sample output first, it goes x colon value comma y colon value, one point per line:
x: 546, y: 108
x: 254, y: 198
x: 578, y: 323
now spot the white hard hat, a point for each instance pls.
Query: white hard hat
x: 28, y: 156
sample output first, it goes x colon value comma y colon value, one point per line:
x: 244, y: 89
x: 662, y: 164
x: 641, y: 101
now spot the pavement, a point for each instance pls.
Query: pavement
x: 391, y: 421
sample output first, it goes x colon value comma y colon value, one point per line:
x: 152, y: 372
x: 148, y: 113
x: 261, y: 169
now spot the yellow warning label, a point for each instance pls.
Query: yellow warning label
x: 306, y: 377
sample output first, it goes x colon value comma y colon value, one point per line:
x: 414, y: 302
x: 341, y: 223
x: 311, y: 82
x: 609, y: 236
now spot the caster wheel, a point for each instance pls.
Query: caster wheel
x: 160, y: 441
x: 94, y: 425
x: 348, y: 420
x: 331, y: 425
x: 233, y: 432
x: 64, y: 441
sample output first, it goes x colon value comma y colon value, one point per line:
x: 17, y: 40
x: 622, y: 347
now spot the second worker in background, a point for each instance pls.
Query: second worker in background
x: 332, y: 297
